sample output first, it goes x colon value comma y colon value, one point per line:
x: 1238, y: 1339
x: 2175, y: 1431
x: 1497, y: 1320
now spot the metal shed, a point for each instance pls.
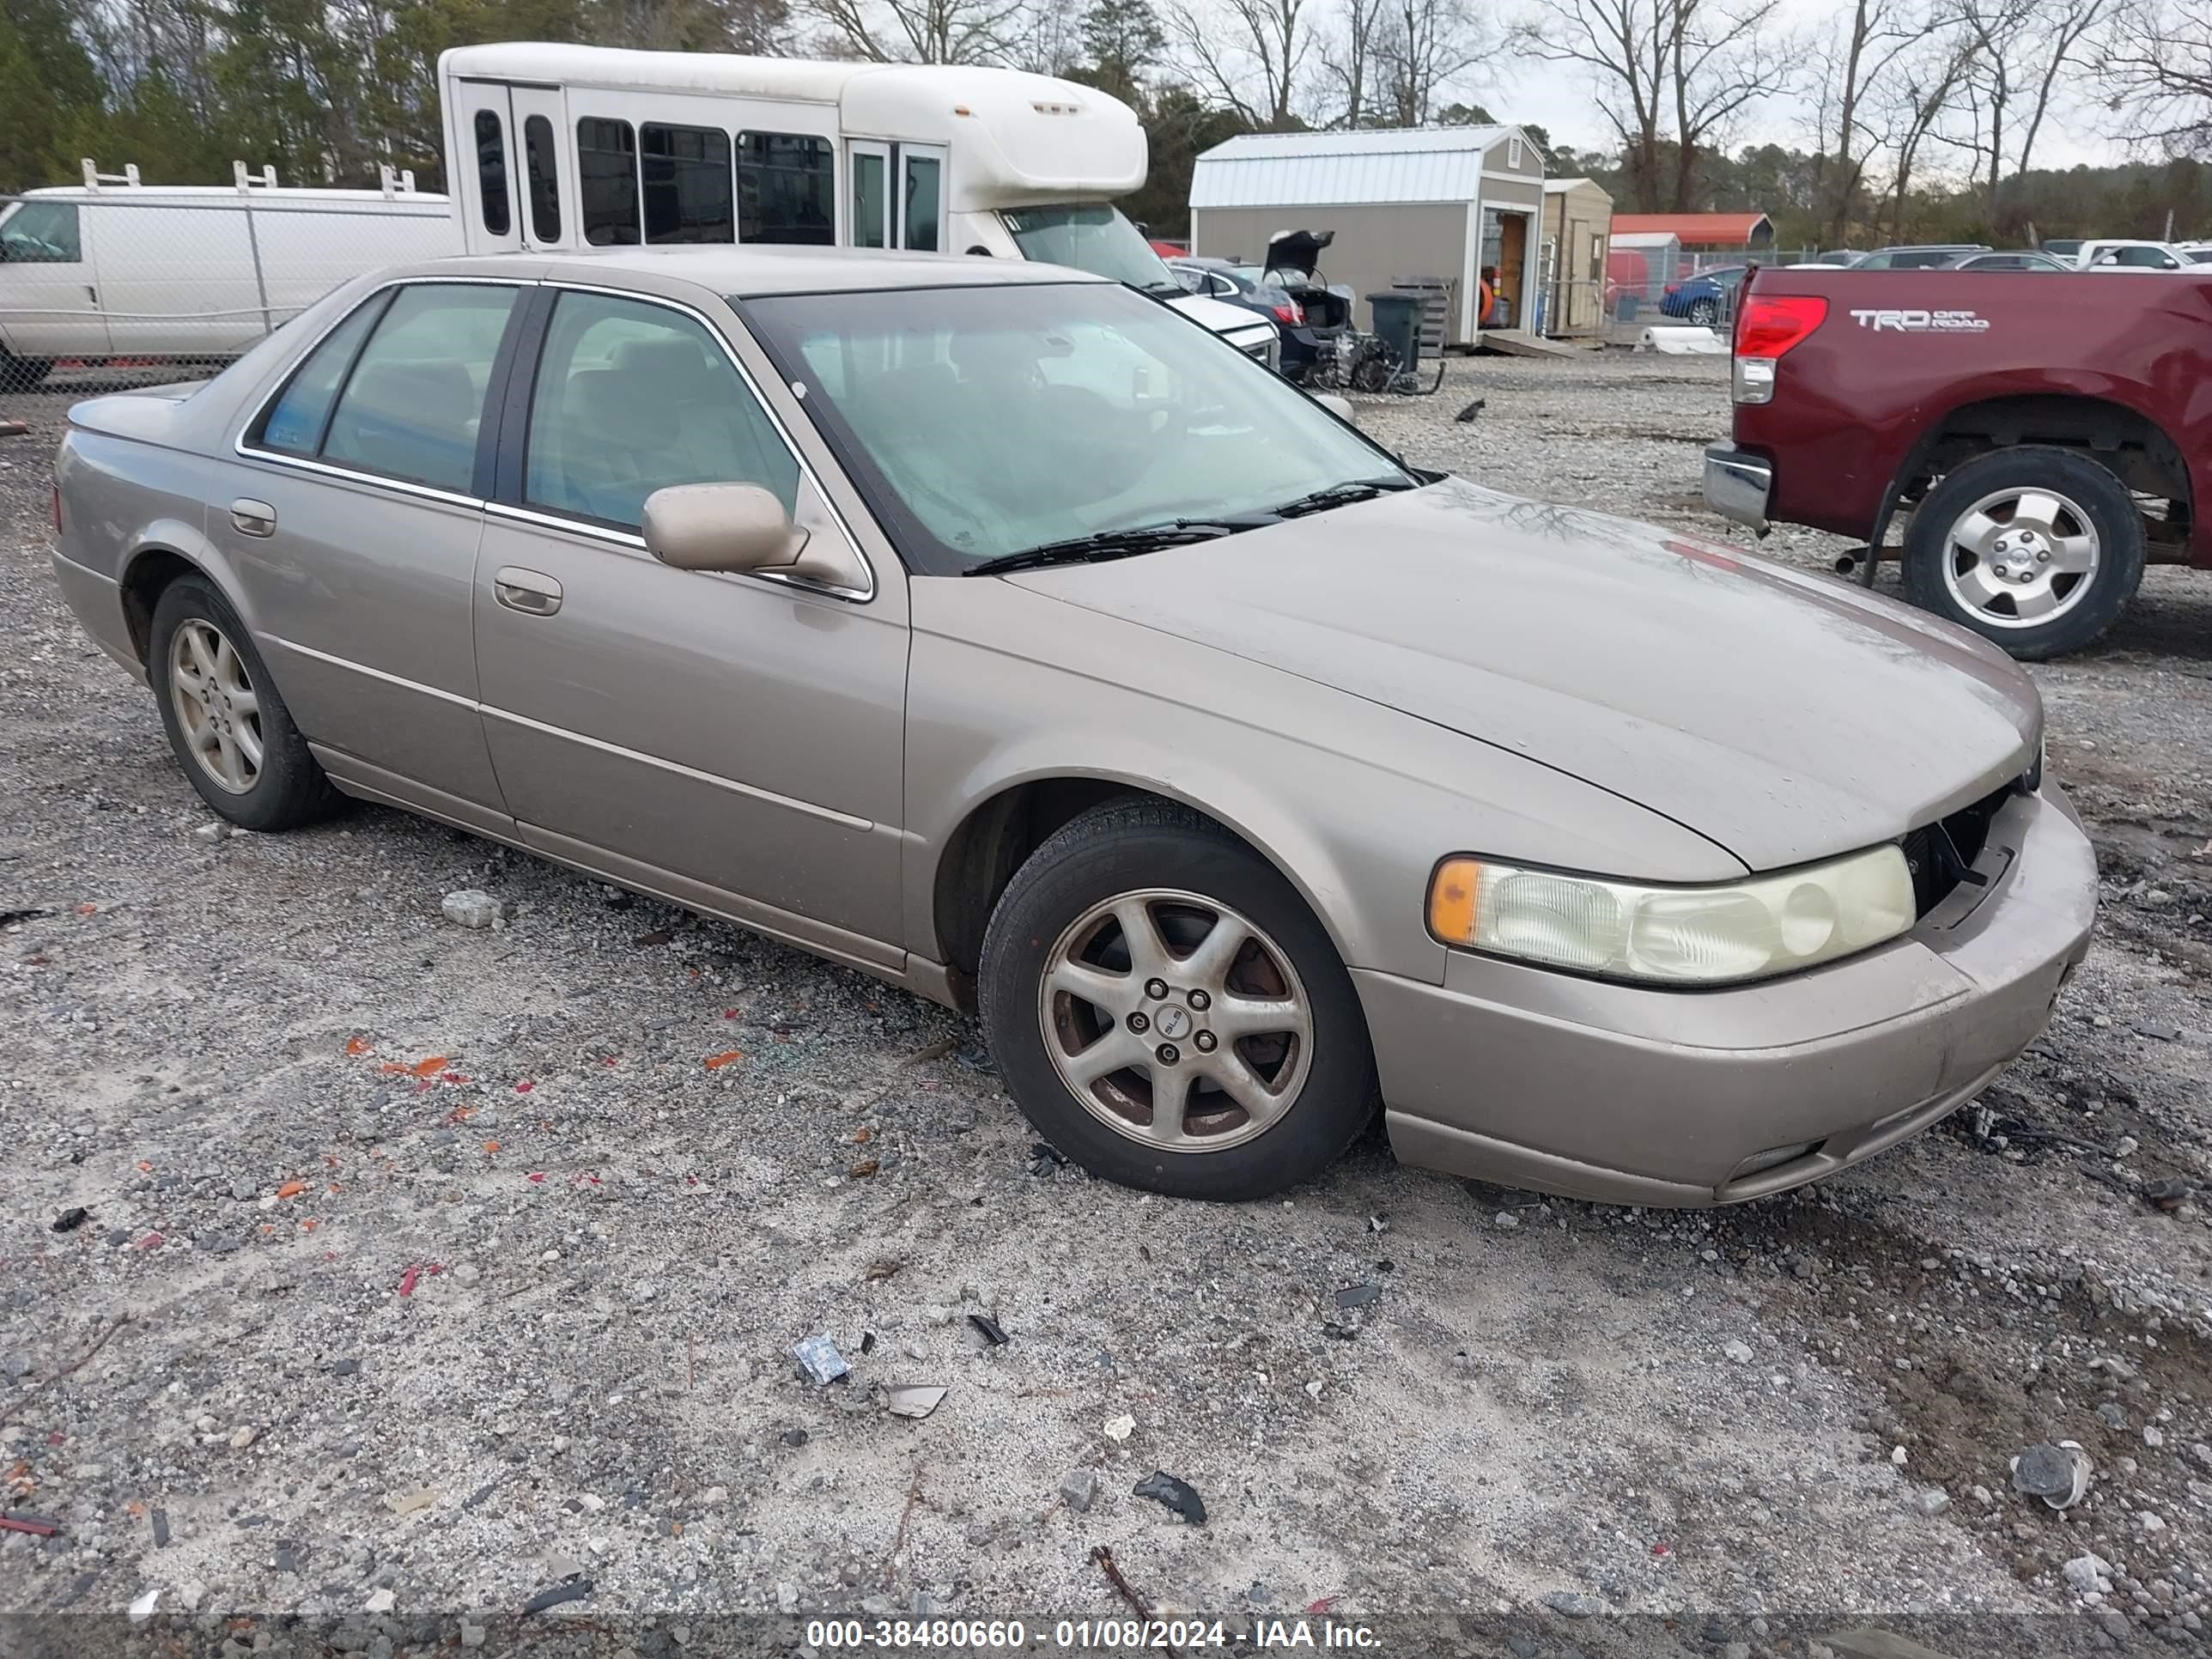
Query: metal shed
x: 1406, y: 202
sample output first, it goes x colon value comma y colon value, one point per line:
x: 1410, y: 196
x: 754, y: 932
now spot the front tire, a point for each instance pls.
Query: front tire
x: 231, y: 731
x: 2036, y: 549
x: 1168, y: 1011
x: 22, y: 373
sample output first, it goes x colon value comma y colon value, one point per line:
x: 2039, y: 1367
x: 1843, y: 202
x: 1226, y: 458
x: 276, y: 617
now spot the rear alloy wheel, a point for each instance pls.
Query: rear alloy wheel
x: 1705, y: 313
x: 1168, y: 1011
x: 2036, y: 549
x: 231, y: 731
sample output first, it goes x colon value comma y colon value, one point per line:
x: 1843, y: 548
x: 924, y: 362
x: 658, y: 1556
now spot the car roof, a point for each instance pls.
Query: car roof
x: 743, y: 272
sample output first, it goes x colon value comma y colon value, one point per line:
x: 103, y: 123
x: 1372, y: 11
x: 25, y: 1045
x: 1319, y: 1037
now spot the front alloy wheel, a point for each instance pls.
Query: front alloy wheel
x: 1168, y: 1011
x: 1176, y: 1020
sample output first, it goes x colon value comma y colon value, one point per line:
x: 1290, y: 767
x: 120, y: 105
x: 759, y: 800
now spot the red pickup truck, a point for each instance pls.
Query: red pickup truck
x: 2037, y: 437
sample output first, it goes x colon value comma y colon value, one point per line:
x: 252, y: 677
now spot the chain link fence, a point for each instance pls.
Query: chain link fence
x: 1661, y: 285
x: 122, y: 276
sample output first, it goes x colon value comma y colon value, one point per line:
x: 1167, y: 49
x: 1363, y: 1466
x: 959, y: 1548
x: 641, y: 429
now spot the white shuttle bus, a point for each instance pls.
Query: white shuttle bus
x: 570, y: 148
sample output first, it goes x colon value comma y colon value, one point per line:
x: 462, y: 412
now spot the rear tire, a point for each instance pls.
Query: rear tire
x: 231, y: 731
x: 1705, y: 313
x: 1258, y: 1047
x: 1990, y: 547
x: 22, y: 373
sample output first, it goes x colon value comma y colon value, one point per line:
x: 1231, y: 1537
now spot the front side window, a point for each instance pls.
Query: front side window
x: 992, y: 420
x: 1092, y: 236
x: 687, y: 183
x: 414, y: 403
x: 606, y: 180
x: 544, y: 178
x: 632, y: 397
x: 786, y: 184
x: 491, y: 172
x: 42, y: 233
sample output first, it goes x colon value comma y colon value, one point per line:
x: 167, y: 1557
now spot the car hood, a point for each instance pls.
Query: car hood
x: 1784, y: 716
x: 1218, y: 314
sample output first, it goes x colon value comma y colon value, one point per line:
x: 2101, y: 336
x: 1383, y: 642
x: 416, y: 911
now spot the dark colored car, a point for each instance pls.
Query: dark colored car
x: 2035, y: 469
x: 2027, y: 258
x: 1706, y: 297
x: 1929, y: 256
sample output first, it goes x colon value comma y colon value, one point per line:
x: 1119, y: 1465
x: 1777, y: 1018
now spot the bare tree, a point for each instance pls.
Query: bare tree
x: 1625, y: 48
x: 1719, y: 59
x: 1924, y: 93
x: 1348, y: 65
x: 2156, y: 66
x: 1854, y: 63
x: 1249, y: 55
x: 1425, y: 46
x: 921, y: 31
x: 2062, y: 40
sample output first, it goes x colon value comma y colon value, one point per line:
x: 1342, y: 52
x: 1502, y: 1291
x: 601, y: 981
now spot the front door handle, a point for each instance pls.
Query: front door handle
x: 531, y: 592
x: 251, y: 518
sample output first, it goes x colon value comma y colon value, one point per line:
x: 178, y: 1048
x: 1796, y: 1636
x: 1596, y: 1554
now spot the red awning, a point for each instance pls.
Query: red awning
x: 1700, y: 229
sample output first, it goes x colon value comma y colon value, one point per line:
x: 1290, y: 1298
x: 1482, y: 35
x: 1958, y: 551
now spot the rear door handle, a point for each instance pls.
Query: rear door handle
x: 531, y: 592
x: 251, y: 518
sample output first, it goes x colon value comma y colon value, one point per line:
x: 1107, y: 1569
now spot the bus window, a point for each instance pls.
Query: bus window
x: 491, y: 171
x: 922, y: 175
x: 606, y: 179
x: 544, y: 182
x: 871, y: 219
x: 687, y: 183
x: 785, y: 186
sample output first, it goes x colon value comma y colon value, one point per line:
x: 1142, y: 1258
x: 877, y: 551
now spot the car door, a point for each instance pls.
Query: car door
x: 351, y: 515
x: 49, y: 286
x: 732, y: 741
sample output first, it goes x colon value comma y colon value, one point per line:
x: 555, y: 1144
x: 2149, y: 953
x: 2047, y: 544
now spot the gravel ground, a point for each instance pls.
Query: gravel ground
x: 426, y: 1269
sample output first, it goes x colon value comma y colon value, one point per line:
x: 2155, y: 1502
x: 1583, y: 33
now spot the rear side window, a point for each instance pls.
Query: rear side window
x: 296, y: 421
x: 42, y: 233
x: 544, y: 178
x: 632, y: 397
x: 606, y: 179
x: 413, y: 405
x: 491, y: 172
x: 787, y: 187
x: 687, y: 183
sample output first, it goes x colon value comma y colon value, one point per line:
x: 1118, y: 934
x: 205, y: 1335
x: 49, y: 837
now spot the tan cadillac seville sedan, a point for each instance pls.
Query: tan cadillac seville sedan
x: 996, y: 630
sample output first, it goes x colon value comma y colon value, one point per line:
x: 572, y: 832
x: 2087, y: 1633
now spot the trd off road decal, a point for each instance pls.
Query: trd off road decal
x: 1921, y: 322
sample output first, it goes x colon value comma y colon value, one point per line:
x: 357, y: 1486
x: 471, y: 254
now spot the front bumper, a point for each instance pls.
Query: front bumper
x: 1737, y: 484
x: 1625, y: 1094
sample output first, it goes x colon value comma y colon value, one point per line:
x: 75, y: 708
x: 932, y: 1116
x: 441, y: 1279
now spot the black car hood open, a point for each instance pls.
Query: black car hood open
x: 1298, y: 252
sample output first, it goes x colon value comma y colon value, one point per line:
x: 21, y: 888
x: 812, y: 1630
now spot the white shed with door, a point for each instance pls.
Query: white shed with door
x: 1406, y: 202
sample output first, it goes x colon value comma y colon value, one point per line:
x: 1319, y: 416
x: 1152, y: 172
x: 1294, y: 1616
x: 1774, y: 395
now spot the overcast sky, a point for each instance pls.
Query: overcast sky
x: 1556, y: 97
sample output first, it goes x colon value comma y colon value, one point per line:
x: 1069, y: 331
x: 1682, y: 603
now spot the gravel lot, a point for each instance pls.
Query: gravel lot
x: 426, y: 1269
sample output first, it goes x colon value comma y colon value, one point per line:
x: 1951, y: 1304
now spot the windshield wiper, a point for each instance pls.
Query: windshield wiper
x: 1340, y: 495
x: 1114, y: 544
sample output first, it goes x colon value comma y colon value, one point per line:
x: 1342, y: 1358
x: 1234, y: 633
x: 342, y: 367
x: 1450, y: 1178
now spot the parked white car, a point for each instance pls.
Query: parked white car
x: 2120, y: 255
x: 115, y: 268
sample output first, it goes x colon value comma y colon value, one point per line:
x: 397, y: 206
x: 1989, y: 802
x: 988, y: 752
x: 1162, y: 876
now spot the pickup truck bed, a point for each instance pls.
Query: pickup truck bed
x: 2036, y: 437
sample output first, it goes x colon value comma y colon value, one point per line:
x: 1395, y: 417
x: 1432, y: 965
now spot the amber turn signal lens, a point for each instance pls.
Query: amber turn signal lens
x: 1451, y: 900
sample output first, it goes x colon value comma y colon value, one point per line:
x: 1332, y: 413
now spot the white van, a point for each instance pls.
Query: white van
x: 114, y: 268
x: 581, y: 146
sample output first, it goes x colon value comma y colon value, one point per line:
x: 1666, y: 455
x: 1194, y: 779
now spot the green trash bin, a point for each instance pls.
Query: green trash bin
x: 1398, y: 324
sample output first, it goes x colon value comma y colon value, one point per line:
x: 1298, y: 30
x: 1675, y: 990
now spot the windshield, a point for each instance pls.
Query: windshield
x: 1090, y: 236
x: 983, y: 422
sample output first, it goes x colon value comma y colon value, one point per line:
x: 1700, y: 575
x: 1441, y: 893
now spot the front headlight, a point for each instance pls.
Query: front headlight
x: 1741, y: 930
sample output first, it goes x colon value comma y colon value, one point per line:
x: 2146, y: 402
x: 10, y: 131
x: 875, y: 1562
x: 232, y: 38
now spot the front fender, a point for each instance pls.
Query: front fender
x: 1352, y: 801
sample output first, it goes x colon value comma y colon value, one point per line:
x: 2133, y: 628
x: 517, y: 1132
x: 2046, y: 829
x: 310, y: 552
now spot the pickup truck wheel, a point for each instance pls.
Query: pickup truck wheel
x: 1168, y: 1012
x: 232, y: 733
x: 2036, y: 549
x: 22, y: 373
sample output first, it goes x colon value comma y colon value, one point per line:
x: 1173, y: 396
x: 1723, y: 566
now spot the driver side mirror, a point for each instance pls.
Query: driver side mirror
x: 742, y: 529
